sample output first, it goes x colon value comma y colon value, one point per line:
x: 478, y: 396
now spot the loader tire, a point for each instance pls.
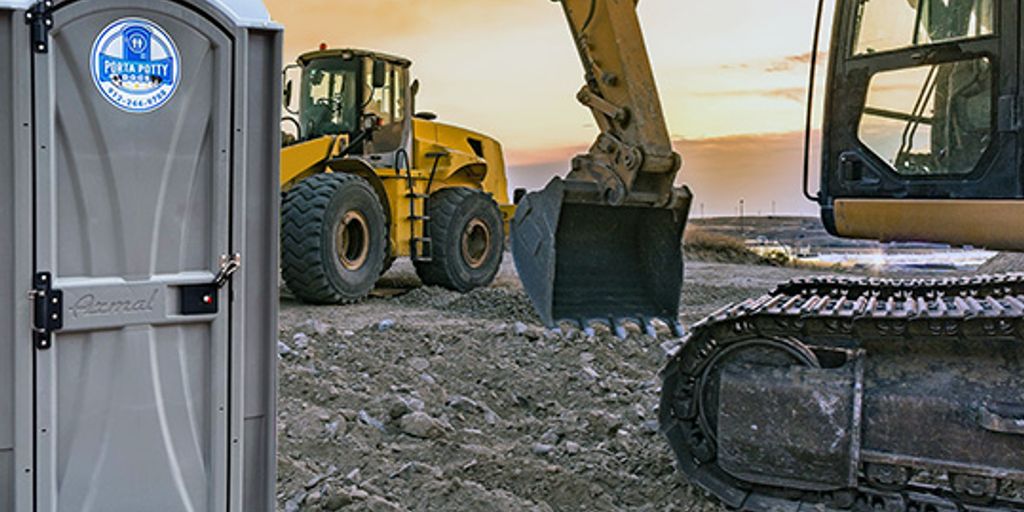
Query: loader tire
x: 333, y: 239
x: 468, y: 240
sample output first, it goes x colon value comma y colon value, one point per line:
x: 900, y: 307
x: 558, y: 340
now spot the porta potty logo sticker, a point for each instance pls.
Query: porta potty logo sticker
x: 135, y: 65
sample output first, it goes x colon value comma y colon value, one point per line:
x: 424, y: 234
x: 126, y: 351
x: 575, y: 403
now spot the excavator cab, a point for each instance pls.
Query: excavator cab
x: 921, y: 139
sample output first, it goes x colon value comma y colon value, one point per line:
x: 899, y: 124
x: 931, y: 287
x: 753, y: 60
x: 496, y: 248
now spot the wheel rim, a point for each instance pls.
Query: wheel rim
x: 352, y: 240
x: 476, y: 243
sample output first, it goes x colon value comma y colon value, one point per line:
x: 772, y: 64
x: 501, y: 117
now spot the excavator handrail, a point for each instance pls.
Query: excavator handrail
x: 811, y: 82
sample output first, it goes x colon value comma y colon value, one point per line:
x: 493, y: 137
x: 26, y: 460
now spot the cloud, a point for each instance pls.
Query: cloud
x: 798, y: 94
x: 377, y: 24
x: 790, y: 62
x: 779, y: 65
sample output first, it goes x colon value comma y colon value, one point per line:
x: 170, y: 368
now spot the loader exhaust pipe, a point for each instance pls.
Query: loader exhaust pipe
x: 585, y: 262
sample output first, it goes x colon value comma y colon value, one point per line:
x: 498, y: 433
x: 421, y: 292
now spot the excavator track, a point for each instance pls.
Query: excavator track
x: 856, y: 394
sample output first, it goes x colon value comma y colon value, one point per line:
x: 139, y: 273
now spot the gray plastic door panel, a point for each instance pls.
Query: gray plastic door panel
x: 130, y: 206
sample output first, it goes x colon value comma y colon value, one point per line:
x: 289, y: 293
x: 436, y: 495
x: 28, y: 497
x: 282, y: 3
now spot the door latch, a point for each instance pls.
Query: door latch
x: 202, y: 299
x: 228, y: 266
x: 47, y: 310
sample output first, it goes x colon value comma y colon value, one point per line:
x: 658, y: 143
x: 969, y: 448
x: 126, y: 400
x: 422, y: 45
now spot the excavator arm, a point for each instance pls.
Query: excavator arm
x: 632, y: 159
x: 604, y: 244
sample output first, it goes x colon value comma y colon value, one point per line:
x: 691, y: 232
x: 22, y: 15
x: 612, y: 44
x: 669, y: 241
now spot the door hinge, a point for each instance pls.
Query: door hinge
x: 47, y: 310
x: 40, y: 18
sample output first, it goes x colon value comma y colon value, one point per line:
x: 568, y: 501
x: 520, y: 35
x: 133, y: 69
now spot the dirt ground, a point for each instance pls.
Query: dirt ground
x: 433, y: 400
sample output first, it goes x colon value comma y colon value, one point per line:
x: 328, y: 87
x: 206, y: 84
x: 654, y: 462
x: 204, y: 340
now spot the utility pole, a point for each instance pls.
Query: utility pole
x: 773, y: 208
x: 702, y: 210
x: 743, y: 226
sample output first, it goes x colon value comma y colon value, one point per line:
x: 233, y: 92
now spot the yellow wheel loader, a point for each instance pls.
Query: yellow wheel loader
x: 366, y: 180
x: 823, y: 394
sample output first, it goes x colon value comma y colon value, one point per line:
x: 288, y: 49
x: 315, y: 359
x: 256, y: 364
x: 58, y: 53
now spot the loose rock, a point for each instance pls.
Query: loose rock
x: 419, y: 364
x: 422, y: 425
x: 370, y: 420
x: 283, y: 348
x: 542, y: 449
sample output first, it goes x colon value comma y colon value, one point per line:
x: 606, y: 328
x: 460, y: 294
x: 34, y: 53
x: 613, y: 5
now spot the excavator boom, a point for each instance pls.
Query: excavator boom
x: 604, y: 244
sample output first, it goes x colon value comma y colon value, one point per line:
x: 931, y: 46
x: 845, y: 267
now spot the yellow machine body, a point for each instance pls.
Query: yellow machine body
x: 991, y: 224
x: 463, y: 158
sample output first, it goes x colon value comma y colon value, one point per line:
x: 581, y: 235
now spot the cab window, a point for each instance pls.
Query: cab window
x: 381, y: 98
x: 886, y: 25
x: 931, y: 121
x: 388, y: 103
x: 329, y: 98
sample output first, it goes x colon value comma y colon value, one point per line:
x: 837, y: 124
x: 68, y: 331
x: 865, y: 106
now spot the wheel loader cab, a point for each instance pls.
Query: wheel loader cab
x: 350, y: 93
x: 329, y: 103
x: 922, y: 123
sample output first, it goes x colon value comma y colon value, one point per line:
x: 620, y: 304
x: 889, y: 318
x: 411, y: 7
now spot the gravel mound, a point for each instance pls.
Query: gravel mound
x: 1003, y: 263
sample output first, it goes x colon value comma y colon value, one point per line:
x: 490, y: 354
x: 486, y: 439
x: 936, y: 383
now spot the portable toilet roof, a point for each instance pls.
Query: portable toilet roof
x: 244, y: 13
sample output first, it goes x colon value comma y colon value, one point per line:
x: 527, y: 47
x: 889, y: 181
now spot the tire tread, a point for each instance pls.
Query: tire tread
x: 303, y: 214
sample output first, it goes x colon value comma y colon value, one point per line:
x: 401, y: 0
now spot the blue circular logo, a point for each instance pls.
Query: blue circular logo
x: 135, y: 65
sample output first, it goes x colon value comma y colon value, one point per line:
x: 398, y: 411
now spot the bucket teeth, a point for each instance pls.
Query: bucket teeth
x: 618, y: 326
x: 620, y: 330
x: 586, y: 262
x: 649, y: 328
x: 677, y: 329
x: 586, y: 328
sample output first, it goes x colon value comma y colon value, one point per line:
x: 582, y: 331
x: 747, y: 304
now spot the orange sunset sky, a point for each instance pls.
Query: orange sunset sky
x: 732, y: 75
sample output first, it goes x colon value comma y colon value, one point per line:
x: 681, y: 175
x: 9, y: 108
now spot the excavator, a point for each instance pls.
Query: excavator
x: 825, y: 393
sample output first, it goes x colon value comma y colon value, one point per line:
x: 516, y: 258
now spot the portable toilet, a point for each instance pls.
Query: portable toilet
x: 139, y: 193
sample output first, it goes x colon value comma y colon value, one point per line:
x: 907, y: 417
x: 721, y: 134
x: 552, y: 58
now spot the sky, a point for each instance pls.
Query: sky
x: 732, y: 75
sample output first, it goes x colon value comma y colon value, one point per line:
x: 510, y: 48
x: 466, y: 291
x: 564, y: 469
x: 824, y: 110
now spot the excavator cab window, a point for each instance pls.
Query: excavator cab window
x: 930, y: 120
x: 887, y: 25
x: 329, y: 104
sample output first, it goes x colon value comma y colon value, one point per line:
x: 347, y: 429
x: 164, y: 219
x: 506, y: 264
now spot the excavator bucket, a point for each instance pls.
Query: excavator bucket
x: 585, y: 262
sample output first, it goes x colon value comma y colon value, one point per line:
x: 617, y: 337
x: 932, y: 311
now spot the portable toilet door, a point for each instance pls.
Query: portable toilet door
x: 139, y: 148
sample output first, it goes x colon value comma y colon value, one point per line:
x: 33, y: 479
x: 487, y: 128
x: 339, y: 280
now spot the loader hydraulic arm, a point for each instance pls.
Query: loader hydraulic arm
x: 632, y: 159
x: 603, y: 245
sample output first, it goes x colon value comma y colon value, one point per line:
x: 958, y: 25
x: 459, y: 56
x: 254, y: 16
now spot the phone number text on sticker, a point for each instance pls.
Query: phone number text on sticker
x: 135, y: 65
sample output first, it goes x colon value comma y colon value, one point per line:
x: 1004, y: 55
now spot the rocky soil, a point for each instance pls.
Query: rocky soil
x: 433, y: 400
